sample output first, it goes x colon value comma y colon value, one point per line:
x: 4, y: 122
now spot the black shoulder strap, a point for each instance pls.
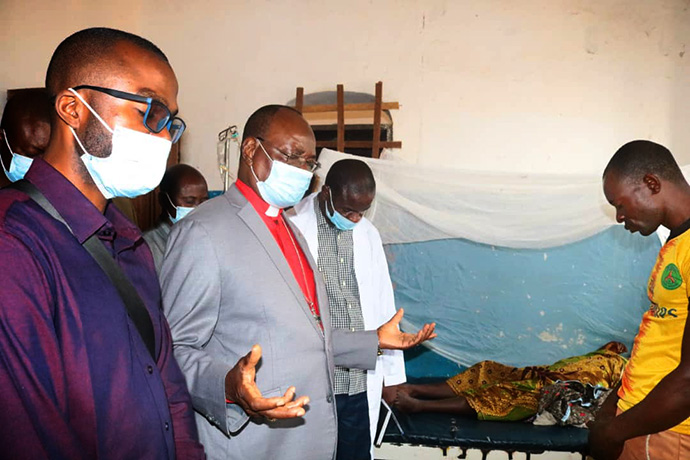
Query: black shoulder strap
x: 135, y: 306
x: 35, y: 194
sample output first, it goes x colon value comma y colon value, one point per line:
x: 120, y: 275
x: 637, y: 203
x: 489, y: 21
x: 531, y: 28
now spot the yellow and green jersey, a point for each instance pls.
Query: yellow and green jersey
x: 657, y: 348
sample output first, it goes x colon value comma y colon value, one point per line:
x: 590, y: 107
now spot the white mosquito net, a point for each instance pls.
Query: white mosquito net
x: 520, y: 268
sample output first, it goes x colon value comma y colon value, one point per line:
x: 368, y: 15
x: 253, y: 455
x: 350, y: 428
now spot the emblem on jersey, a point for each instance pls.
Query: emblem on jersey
x: 671, y: 279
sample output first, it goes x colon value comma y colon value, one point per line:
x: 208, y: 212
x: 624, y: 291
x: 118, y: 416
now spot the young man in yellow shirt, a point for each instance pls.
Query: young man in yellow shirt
x: 649, y: 418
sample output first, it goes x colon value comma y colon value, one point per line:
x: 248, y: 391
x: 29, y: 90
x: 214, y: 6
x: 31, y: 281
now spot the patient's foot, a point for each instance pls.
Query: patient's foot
x: 409, y: 389
x: 406, y: 403
x: 391, y: 393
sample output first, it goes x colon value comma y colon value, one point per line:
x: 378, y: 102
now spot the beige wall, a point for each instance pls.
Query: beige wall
x: 533, y: 86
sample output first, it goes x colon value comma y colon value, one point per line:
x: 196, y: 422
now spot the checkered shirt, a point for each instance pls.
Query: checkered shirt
x: 336, y: 264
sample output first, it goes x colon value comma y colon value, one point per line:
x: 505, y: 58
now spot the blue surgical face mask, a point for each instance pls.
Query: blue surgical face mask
x: 285, y: 185
x: 180, y: 211
x: 19, y: 164
x: 341, y: 222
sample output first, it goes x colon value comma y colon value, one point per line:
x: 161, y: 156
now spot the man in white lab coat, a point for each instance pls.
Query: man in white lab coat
x: 350, y: 257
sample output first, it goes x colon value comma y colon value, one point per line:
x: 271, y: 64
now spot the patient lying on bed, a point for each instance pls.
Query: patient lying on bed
x: 493, y: 391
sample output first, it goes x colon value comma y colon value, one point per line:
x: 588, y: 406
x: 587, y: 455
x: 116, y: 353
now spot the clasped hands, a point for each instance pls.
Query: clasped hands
x: 240, y: 382
x: 602, y: 441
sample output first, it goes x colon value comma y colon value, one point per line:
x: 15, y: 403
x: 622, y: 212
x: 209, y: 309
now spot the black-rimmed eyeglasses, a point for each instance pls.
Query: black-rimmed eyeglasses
x: 295, y: 160
x: 157, y: 117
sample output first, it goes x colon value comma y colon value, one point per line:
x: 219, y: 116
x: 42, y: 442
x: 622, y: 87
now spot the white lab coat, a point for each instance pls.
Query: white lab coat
x: 375, y: 294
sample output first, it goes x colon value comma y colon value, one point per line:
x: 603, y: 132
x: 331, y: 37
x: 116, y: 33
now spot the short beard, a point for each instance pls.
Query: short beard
x: 97, y: 140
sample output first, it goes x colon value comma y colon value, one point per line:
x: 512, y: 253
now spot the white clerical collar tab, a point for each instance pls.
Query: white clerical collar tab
x: 272, y: 211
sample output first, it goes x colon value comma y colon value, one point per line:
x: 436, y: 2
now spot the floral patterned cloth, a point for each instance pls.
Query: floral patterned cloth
x: 499, y: 392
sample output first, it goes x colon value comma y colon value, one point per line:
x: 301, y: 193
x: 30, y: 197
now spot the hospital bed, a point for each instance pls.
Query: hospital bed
x: 445, y: 430
x: 519, y: 307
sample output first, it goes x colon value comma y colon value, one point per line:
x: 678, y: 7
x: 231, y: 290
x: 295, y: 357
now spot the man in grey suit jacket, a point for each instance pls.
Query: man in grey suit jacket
x: 235, y: 275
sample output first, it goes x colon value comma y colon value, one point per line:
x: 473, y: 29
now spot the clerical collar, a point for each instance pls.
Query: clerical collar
x: 257, y: 202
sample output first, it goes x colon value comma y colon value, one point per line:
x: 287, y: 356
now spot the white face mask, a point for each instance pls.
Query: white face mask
x: 180, y: 211
x: 285, y: 185
x: 19, y: 164
x: 136, y: 163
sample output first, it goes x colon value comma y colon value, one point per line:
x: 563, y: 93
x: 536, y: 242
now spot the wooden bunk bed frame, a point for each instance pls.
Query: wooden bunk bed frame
x: 378, y: 106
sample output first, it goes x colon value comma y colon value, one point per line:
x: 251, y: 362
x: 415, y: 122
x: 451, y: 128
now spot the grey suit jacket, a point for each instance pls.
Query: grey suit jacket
x: 227, y: 286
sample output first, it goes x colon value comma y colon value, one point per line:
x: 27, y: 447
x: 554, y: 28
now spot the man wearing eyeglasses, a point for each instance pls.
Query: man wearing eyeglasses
x: 250, y: 284
x: 82, y: 374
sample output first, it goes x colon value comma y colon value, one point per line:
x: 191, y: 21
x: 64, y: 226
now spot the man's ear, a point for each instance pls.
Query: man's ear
x: 247, y: 150
x: 161, y: 199
x: 323, y: 193
x: 69, y: 108
x: 652, y: 182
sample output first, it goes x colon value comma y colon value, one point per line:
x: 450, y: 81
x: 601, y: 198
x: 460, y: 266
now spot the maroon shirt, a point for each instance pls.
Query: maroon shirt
x: 76, y: 380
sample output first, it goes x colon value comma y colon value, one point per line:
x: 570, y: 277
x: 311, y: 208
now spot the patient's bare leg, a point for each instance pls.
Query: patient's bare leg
x: 439, y: 390
x: 454, y: 405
